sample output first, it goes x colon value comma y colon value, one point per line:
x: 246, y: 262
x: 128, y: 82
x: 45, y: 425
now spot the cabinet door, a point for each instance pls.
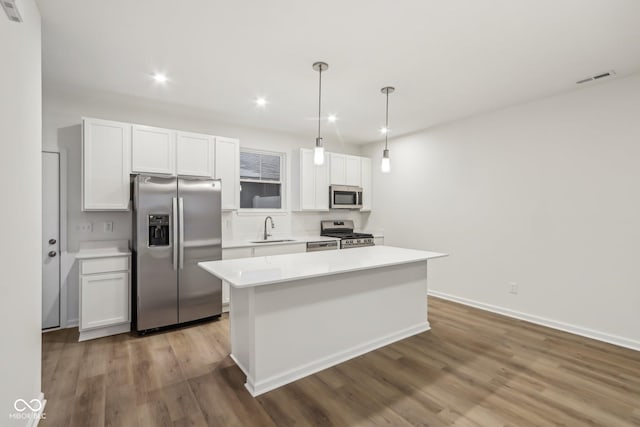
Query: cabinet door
x: 353, y: 171
x: 321, y: 187
x: 194, y: 154
x: 153, y: 150
x: 227, y: 169
x: 338, y: 165
x: 106, y: 165
x: 307, y: 180
x: 104, y: 299
x: 365, y: 170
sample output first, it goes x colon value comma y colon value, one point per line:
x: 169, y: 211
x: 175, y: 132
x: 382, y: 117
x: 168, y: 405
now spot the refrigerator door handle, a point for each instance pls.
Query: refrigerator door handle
x: 181, y: 231
x: 174, y: 214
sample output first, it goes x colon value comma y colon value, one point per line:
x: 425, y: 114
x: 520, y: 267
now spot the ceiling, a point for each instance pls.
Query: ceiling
x: 447, y: 59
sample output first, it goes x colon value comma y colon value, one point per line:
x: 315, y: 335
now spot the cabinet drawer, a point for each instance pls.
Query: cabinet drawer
x: 104, y: 265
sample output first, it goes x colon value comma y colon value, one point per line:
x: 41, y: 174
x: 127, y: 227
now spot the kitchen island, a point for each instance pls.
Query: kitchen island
x: 293, y: 315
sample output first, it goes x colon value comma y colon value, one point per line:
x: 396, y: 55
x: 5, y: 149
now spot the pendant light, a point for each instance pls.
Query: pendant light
x: 385, y: 166
x: 318, y: 152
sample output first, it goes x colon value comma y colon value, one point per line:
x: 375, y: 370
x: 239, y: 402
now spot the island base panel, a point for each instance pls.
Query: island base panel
x: 283, y: 332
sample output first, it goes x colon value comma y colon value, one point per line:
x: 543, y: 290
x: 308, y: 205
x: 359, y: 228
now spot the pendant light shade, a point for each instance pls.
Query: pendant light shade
x: 318, y: 151
x: 385, y: 166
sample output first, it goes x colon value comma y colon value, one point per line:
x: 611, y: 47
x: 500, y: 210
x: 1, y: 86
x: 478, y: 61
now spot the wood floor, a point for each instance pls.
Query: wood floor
x: 473, y: 368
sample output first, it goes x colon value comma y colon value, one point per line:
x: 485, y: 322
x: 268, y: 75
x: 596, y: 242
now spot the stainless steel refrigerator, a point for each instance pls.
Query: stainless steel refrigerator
x: 177, y: 223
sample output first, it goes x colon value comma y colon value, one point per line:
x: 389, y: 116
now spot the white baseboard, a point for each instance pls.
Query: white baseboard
x: 263, y: 386
x: 37, y: 416
x: 566, y: 327
x: 104, y: 332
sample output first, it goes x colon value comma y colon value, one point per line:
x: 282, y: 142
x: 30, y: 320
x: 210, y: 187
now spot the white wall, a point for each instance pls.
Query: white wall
x: 544, y: 194
x: 62, y: 112
x: 20, y: 178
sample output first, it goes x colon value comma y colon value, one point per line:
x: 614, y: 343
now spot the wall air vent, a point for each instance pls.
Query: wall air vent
x: 11, y: 9
x: 597, y: 77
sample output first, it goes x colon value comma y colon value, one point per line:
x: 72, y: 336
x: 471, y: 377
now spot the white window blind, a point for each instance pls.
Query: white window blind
x: 260, y: 180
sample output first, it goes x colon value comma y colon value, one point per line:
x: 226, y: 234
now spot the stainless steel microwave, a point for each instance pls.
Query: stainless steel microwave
x: 345, y: 197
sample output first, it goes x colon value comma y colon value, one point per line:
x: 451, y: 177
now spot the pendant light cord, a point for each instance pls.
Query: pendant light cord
x: 319, y: 100
x: 386, y: 133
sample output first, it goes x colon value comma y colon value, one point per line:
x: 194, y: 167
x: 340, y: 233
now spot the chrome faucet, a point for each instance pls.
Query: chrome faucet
x: 266, y: 235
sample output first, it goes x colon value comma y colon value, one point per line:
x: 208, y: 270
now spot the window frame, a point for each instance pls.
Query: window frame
x: 282, y: 182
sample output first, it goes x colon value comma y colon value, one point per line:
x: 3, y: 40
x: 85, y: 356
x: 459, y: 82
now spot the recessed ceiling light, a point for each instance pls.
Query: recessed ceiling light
x: 160, y: 78
x: 261, y: 102
x: 332, y: 118
x: 384, y: 130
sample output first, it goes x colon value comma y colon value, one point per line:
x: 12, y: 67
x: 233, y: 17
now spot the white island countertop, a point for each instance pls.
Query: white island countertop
x: 258, y: 271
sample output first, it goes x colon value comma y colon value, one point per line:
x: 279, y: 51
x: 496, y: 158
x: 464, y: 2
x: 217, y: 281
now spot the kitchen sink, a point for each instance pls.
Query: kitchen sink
x: 273, y: 241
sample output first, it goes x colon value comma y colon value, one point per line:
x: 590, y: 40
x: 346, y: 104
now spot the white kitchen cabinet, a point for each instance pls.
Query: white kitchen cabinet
x: 310, y: 183
x: 105, y: 303
x: 227, y: 169
x: 153, y: 150
x: 353, y: 171
x: 365, y: 174
x: 106, y: 165
x: 338, y: 167
x: 345, y: 169
x: 194, y: 154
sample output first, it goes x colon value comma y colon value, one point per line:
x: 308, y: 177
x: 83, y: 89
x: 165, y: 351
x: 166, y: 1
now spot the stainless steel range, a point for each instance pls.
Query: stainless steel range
x: 343, y: 229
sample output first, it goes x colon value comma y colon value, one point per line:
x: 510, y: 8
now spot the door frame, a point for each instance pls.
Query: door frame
x: 62, y: 237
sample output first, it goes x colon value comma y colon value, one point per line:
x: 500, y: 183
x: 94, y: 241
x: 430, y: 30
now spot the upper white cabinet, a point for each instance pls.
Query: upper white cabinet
x: 227, y: 170
x: 153, y: 150
x: 111, y: 151
x: 365, y: 174
x: 345, y: 169
x: 338, y: 166
x: 353, y: 171
x: 106, y: 164
x: 310, y: 183
x: 194, y: 154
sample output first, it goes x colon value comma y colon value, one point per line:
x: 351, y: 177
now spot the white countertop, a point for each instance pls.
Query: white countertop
x: 102, y: 249
x: 258, y: 271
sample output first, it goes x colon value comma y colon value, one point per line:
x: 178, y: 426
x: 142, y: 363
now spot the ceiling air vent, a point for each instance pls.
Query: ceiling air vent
x: 11, y: 10
x: 597, y: 77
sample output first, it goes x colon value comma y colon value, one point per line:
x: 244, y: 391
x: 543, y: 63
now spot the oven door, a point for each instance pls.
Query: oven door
x: 345, y: 197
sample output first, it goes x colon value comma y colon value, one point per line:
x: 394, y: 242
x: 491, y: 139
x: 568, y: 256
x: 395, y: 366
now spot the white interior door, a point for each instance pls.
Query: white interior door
x: 51, y: 240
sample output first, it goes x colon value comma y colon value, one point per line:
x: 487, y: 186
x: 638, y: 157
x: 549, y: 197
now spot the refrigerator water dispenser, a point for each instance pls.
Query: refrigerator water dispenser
x: 158, y: 230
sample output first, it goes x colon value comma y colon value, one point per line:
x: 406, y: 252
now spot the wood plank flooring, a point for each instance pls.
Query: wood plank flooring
x: 473, y: 368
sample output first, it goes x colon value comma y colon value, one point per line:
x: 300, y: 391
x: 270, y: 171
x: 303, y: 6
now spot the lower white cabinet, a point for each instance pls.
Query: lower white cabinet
x: 105, y: 296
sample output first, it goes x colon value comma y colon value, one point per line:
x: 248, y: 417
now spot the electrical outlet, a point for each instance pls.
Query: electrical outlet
x: 84, y: 227
x: 513, y: 288
x: 108, y: 227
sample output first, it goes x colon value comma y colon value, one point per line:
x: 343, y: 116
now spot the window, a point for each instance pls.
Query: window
x: 261, y: 179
